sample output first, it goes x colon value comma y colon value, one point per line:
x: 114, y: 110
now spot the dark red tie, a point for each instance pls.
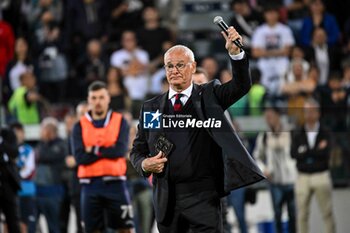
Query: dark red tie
x: 178, y: 103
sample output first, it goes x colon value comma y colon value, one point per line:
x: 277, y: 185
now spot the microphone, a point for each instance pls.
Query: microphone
x: 221, y: 23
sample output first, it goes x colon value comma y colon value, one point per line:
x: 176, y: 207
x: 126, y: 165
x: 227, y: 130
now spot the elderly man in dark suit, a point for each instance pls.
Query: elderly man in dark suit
x: 207, y: 159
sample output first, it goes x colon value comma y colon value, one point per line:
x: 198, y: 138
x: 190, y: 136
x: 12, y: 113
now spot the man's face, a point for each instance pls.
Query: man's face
x: 98, y: 101
x: 272, y: 118
x: 199, y: 78
x: 179, y: 69
x: 19, y: 135
x: 311, y: 113
x: 319, y: 36
x: 271, y: 16
x: 211, y: 66
x: 81, y: 110
x: 129, y: 41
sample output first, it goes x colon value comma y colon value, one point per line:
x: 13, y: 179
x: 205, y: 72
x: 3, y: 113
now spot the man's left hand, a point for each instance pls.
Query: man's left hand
x: 232, y: 36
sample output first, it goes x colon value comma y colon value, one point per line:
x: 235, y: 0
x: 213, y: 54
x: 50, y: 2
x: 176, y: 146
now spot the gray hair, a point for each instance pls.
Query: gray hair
x: 313, y: 102
x: 187, y: 51
x: 50, y: 121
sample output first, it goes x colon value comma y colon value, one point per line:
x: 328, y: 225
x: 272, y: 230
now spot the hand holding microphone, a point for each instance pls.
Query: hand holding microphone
x: 233, y: 39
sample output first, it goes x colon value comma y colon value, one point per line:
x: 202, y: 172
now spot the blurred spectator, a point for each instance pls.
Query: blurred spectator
x: 346, y: 35
x: 124, y: 15
x: 71, y: 196
x: 26, y: 165
x: 153, y: 38
x: 24, y: 102
x: 297, y: 87
x: 165, y: 85
x: 92, y: 67
x: 7, y: 45
x: 319, y: 18
x: 52, y: 64
x: 238, y: 197
x: 298, y: 53
x: 256, y: 94
x: 314, y: 73
x: 333, y: 99
x: 20, y: 64
x: 158, y: 75
x: 118, y: 20
x: 272, y: 152
x: 346, y: 74
x: 120, y: 100
x: 297, y: 10
x: 86, y: 19
x: 50, y: 153
x: 200, y: 76
x: 311, y: 146
x: 140, y: 194
x: 245, y: 20
x: 13, y: 12
x: 133, y: 63
x: 271, y: 45
x: 35, y: 11
x: 297, y: 71
x: 211, y: 66
x: 326, y: 57
x: 81, y: 109
x: 9, y: 180
x: 169, y: 12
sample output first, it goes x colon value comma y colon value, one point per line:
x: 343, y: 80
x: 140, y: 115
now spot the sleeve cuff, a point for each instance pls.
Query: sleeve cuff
x: 237, y: 56
x: 143, y: 168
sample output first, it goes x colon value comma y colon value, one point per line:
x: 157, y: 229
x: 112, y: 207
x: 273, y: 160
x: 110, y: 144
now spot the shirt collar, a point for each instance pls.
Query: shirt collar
x: 315, y: 129
x: 187, y: 92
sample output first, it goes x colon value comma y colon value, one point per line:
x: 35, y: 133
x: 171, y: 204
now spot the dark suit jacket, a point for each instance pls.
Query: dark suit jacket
x: 314, y: 159
x: 9, y: 172
x: 334, y: 56
x: 235, y: 167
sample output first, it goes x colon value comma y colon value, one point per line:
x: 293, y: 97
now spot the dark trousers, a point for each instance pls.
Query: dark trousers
x: 28, y: 212
x: 105, y: 204
x: 283, y: 194
x: 237, y: 200
x: 9, y: 207
x: 67, y: 202
x: 198, y: 212
x: 50, y: 207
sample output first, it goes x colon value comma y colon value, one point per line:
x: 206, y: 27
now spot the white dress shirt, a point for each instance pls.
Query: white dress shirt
x: 311, y: 134
x: 186, y: 94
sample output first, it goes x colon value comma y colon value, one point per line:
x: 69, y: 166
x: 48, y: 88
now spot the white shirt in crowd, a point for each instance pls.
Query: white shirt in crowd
x: 138, y: 85
x: 311, y: 134
x: 273, y: 69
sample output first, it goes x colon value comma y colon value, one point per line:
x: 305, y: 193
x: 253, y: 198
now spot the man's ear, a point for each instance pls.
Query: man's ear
x: 194, y: 67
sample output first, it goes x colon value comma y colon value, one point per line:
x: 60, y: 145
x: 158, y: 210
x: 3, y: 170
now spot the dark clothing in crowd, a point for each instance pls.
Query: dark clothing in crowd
x: 311, y: 160
x: 48, y: 178
x: 152, y: 40
x: 9, y: 180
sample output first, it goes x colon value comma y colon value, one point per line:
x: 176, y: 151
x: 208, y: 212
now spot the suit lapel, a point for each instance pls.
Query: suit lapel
x: 196, y: 99
x: 163, y: 102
